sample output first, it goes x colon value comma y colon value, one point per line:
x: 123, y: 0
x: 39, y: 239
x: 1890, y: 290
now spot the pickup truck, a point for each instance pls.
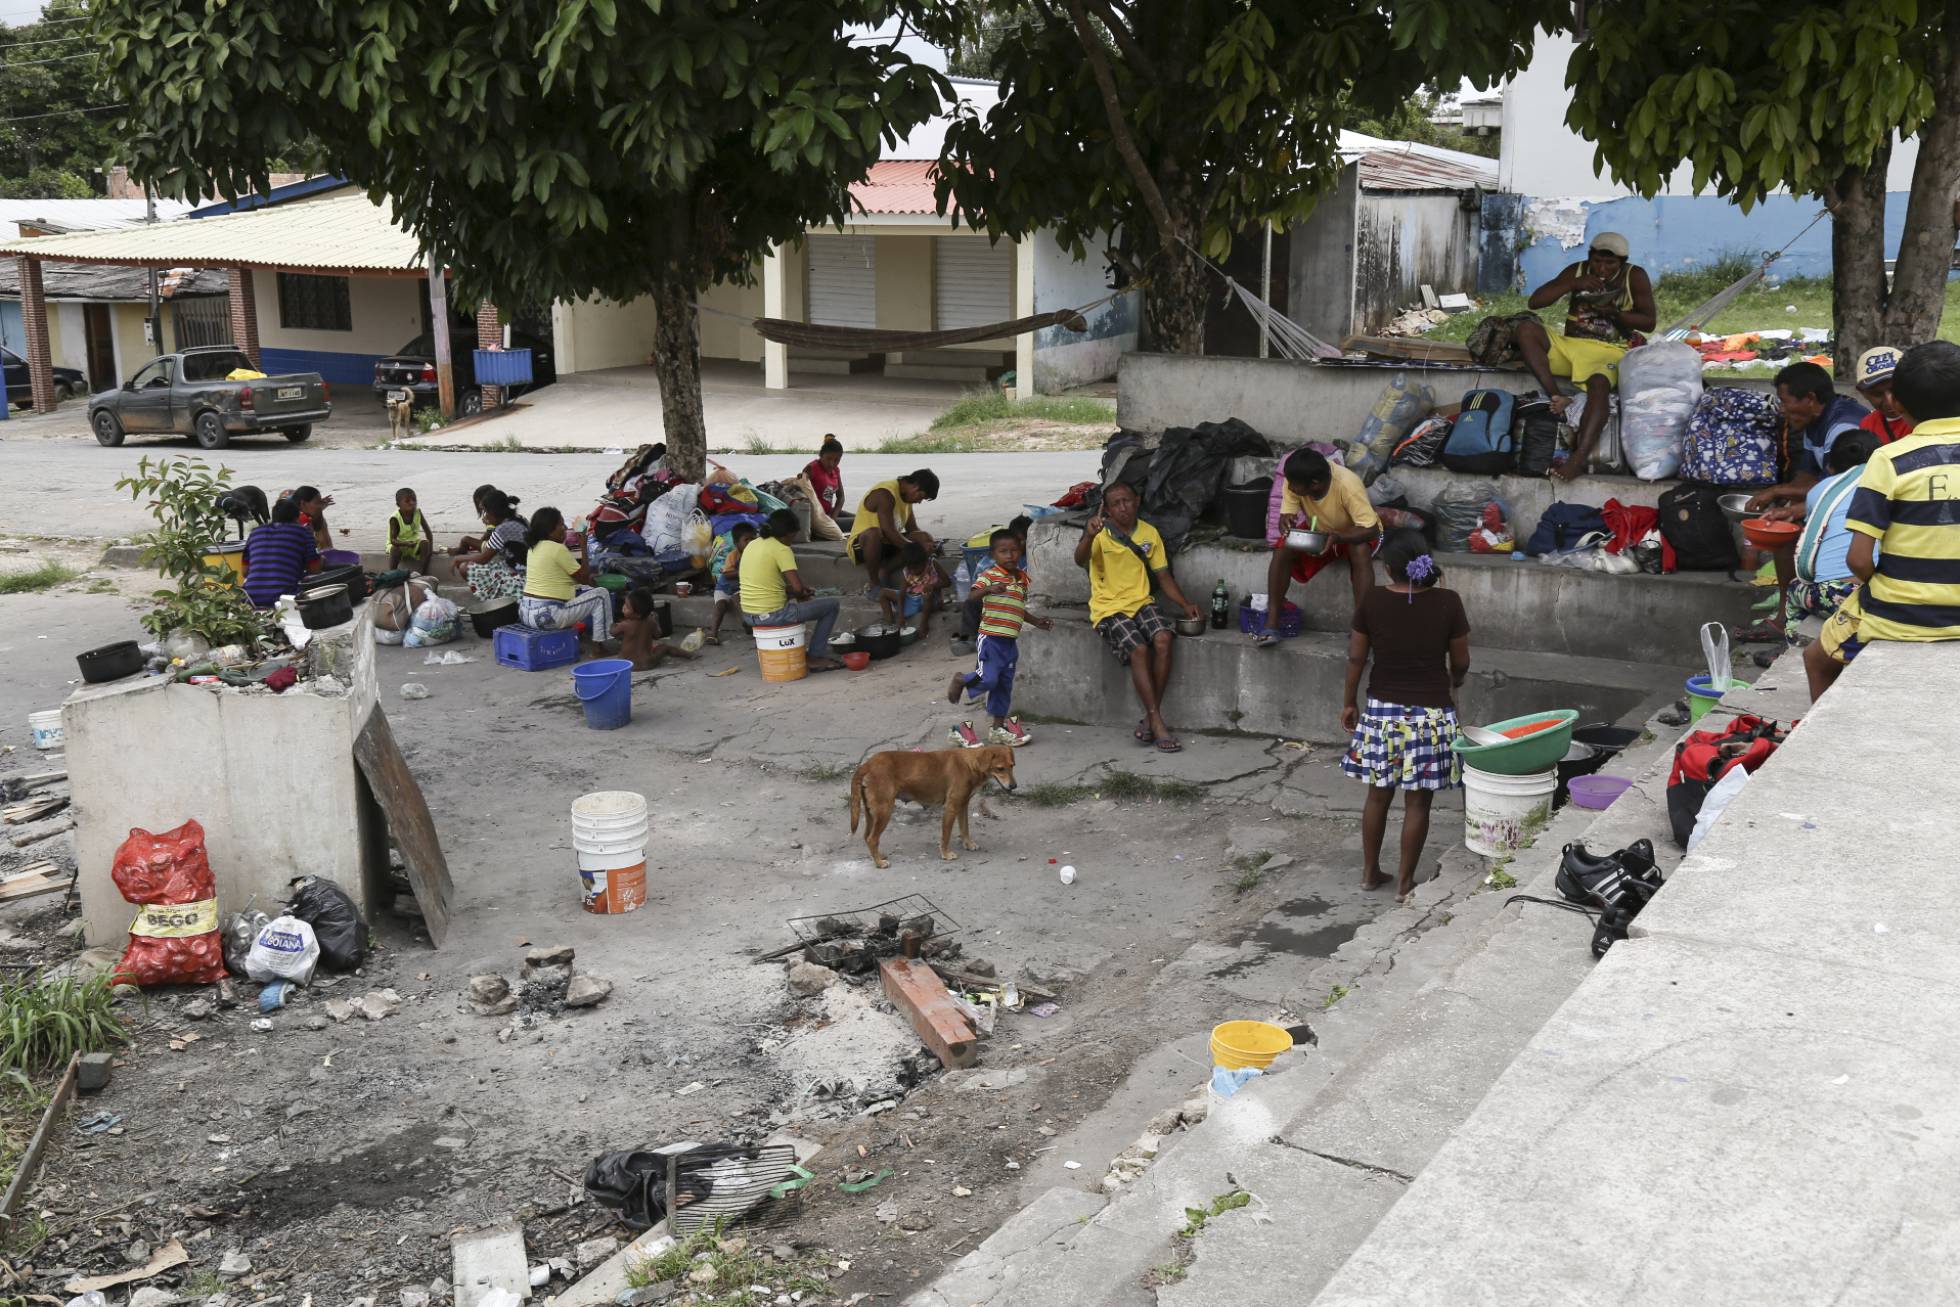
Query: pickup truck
x: 188, y: 394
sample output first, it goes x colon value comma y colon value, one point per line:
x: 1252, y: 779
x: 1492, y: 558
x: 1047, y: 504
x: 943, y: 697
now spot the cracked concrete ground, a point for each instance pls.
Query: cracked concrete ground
x: 747, y: 783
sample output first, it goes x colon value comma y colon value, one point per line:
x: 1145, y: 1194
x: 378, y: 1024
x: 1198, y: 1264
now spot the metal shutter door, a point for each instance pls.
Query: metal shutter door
x: 843, y: 281
x: 972, y: 282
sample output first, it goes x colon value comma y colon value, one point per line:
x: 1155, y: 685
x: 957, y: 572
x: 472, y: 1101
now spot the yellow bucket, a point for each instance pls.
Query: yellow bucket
x: 229, y: 554
x: 781, y: 651
x: 1238, y: 1044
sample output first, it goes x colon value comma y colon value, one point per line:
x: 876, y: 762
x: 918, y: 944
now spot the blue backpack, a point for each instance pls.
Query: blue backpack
x: 1481, y: 439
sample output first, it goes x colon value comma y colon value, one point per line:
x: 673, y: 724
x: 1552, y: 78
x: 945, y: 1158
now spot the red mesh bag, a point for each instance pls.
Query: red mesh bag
x: 174, y: 939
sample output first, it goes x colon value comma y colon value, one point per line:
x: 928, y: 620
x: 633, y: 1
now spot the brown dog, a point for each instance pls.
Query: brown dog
x: 950, y: 777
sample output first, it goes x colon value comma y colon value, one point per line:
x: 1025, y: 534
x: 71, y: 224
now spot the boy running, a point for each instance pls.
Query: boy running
x: 1003, y: 591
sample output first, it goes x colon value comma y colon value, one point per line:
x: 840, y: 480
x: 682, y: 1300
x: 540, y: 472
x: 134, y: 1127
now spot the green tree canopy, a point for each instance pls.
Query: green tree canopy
x: 60, y: 128
x: 1755, y: 97
x: 542, y: 150
x: 1174, y: 124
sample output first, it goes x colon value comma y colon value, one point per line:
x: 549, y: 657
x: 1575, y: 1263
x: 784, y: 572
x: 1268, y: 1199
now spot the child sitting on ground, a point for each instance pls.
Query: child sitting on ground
x: 728, y: 581
x: 639, y: 634
x: 410, y: 542
x: 1003, y: 591
x: 918, y: 584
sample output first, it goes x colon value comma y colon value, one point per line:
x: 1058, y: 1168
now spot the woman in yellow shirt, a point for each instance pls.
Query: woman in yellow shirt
x: 773, y: 593
x: 558, y: 594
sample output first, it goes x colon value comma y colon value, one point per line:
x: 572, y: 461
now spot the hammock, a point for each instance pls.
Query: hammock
x: 1290, y: 338
x: 810, y: 335
x: 1697, y: 317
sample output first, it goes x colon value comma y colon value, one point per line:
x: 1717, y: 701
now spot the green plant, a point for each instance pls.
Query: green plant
x: 736, y: 1267
x: 1334, y: 996
x: 818, y: 772
x: 183, y: 498
x: 1500, y: 878
x: 1248, y: 869
x: 44, y: 576
x: 43, y: 1023
x: 1129, y: 785
x: 1196, y: 1217
x: 102, y: 585
x: 426, y: 419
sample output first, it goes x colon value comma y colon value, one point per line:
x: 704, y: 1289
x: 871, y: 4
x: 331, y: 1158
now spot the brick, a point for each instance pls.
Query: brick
x: 34, y: 321
x: 921, y: 996
x: 489, y: 335
x: 244, y: 312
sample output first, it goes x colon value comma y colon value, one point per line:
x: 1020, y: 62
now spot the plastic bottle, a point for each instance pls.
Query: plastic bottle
x: 1221, y: 605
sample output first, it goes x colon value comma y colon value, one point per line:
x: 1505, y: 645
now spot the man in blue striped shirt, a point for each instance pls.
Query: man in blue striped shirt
x: 277, y: 555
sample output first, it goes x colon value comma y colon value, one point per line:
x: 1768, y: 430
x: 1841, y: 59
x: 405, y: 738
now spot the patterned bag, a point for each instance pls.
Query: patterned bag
x: 1494, y: 340
x: 1733, y: 438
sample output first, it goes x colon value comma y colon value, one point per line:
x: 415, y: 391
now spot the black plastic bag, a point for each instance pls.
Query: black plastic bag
x: 336, y: 922
x: 633, y: 1182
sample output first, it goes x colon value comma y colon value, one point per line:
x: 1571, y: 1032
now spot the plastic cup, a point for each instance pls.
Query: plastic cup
x: 1068, y: 875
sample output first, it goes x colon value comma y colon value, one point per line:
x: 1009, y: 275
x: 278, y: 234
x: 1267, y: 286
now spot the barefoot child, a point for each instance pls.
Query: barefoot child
x: 728, y: 581
x: 914, y: 590
x: 1003, y: 591
x: 1420, y: 640
x: 639, y: 634
x: 410, y: 542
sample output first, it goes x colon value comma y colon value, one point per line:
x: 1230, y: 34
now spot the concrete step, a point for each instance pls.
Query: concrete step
x: 970, y: 374
x: 1221, y: 682
x: 1441, y: 994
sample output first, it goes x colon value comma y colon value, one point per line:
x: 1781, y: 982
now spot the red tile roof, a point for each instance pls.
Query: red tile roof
x: 897, y: 186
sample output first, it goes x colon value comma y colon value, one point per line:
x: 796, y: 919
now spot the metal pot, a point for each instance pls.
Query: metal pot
x: 1190, y: 626
x: 880, y: 641
x: 1303, y: 541
x: 324, y: 606
x: 487, y: 618
x: 111, y: 662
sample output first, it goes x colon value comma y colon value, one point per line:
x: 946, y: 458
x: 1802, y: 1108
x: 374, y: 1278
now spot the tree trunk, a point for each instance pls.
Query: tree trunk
x: 1858, y: 263
x: 1174, y: 302
x: 1912, y: 310
x: 677, y: 364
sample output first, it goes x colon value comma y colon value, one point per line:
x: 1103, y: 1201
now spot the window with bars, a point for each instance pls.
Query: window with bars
x: 308, y: 303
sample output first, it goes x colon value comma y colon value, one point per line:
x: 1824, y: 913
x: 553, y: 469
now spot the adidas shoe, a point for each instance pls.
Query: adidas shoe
x: 1017, y: 735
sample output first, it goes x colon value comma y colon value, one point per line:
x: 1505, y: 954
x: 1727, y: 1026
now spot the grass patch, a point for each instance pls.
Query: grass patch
x: 992, y: 405
x: 101, y: 585
x: 1120, y: 785
x: 819, y: 772
x: 46, y: 576
x: 1053, y: 795
x: 1499, y: 878
x: 1334, y: 996
x: 1196, y: 1217
x: 1247, y: 871
x: 736, y: 1267
x: 986, y: 420
x: 204, y: 1284
x: 43, y: 1023
x: 505, y: 445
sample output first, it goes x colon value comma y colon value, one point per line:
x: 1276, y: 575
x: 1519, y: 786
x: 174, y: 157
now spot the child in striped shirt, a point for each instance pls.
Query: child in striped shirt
x: 1003, y: 591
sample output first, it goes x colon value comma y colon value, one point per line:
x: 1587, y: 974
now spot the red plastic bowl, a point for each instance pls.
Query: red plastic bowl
x: 1765, y: 534
x: 856, y: 661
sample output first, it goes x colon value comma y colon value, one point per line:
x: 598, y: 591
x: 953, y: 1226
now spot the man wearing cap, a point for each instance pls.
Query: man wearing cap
x: 1609, y: 302
x: 1873, y: 377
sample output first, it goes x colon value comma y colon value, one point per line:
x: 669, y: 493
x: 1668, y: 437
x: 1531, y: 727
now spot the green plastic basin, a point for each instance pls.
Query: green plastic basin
x: 1536, y: 752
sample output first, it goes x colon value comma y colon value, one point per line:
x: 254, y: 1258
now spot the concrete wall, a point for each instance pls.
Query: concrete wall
x: 1320, y: 280
x: 68, y: 338
x: 1064, y: 358
x: 1404, y: 241
x: 271, y: 778
x: 385, y: 312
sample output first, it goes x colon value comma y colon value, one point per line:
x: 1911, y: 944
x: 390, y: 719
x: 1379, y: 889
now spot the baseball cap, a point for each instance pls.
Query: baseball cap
x: 1610, y: 242
x: 1875, y: 365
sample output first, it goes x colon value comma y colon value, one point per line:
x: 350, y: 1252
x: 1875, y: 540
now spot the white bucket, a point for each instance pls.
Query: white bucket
x: 46, y: 728
x: 1500, y: 813
x: 609, y: 832
x: 780, y: 637
x: 606, y: 813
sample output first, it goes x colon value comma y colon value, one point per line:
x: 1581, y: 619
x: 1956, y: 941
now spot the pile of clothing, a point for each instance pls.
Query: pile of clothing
x: 1778, y: 347
x: 1180, y: 478
x: 1615, y: 537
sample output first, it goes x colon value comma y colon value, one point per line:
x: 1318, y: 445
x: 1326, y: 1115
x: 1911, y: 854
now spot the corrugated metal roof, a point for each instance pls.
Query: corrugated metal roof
x: 298, y: 190
x: 95, y: 281
x: 344, y: 234
x: 1395, y: 170
x: 897, y: 186
x: 81, y: 215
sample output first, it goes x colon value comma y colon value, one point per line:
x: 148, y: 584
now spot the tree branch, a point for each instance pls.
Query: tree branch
x: 1125, y: 40
x: 1119, y: 127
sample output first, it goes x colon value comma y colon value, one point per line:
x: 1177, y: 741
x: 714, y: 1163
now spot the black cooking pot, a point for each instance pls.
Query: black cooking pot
x: 487, y: 618
x: 350, y: 576
x: 878, y: 641
x: 321, y: 606
x: 111, y: 662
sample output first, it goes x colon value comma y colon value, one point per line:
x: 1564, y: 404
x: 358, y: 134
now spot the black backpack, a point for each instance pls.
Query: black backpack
x: 1537, y: 432
x: 1692, y: 521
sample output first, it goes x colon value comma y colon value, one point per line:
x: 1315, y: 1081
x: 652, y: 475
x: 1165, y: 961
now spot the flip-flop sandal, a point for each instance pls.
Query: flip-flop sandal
x: 1759, y: 633
x: 1142, y: 733
x: 1166, y: 744
x: 1267, y: 639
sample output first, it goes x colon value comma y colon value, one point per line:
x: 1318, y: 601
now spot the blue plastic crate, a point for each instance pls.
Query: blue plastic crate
x: 529, y: 650
x: 1291, y: 620
x: 503, y: 367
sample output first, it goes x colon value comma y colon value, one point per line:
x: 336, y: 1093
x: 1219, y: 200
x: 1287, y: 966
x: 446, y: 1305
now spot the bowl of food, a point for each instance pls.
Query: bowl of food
x: 908, y: 634
x: 844, y: 640
x: 1302, y: 541
x: 1736, y: 507
x: 879, y: 640
x: 1190, y: 626
x: 1766, y: 534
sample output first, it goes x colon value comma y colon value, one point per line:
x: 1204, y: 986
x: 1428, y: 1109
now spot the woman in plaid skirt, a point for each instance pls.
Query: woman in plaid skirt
x: 1419, y: 638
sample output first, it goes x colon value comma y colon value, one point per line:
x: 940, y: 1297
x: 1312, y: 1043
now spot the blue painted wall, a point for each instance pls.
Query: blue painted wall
x: 339, y: 369
x: 1673, y: 233
x: 12, y: 332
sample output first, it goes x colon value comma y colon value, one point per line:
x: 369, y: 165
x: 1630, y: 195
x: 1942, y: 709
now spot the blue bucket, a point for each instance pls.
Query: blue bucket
x: 605, y: 687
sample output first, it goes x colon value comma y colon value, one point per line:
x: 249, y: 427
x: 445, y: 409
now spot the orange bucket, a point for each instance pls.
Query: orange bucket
x: 615, y: 889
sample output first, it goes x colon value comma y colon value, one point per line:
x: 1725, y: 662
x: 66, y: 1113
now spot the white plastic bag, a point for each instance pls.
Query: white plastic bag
x: 1718, y: 798
x: 1660, y: 384
x: 662, y: 528
x: 285, y: 950
x: 434, y: 622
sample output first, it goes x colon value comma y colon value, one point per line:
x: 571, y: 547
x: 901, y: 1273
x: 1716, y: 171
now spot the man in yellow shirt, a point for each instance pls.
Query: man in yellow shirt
x: 1124, y: 555
x: 773, y: 593
x: 884, y: 524
x: 1321, y: 497
x: 1905, y: 524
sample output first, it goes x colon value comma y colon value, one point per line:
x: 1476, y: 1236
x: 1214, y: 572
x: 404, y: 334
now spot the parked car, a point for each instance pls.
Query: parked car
x: 68, y: 382
x: 413, y: 368
x: 188, y: 394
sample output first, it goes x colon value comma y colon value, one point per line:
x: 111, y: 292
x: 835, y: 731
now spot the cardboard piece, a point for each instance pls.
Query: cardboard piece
x: 395, y: 789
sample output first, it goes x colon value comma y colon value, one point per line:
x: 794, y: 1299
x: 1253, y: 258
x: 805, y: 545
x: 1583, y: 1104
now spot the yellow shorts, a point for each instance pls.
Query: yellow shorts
x: 1581, y: 359
x: 1840, y: 639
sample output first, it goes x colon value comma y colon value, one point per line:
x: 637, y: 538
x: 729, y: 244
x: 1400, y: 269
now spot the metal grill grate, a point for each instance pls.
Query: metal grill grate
x: 718, y: 1185
x: 879, y: 919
